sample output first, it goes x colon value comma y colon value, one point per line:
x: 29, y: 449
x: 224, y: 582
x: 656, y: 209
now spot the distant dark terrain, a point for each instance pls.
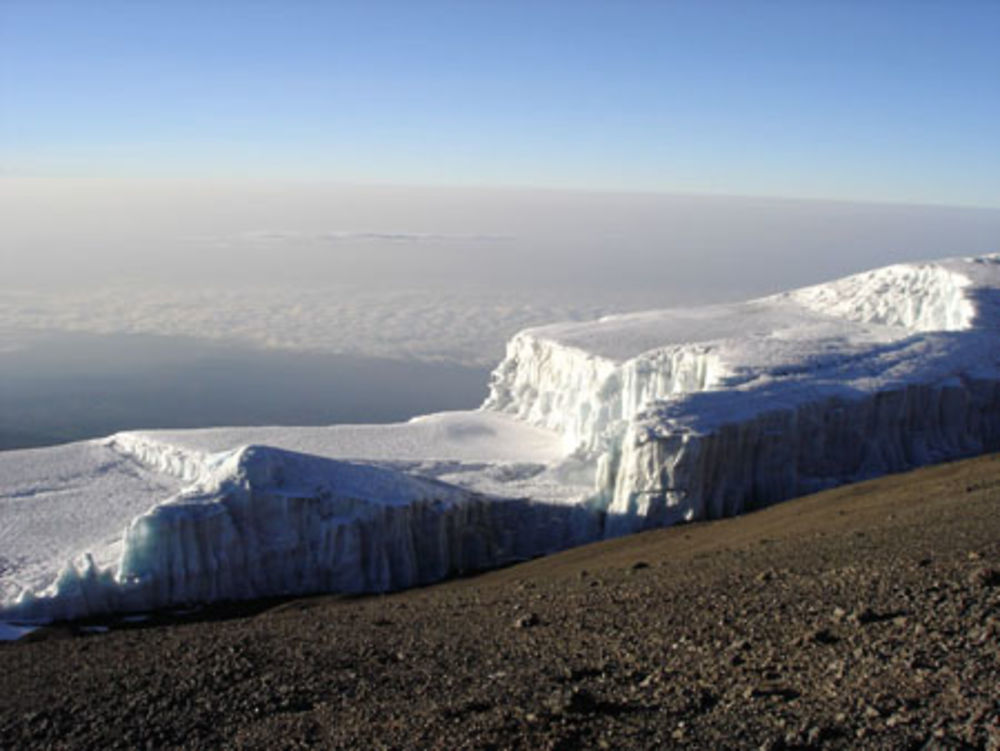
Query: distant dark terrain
x: 864, y: 617
x: 62, y: 387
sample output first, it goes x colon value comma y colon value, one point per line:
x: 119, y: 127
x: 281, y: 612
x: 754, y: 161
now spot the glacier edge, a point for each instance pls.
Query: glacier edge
x: 667, y: 416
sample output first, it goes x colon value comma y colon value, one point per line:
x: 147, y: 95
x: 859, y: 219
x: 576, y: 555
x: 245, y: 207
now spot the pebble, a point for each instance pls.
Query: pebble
x: 527, y: 621
x: 985, y: 577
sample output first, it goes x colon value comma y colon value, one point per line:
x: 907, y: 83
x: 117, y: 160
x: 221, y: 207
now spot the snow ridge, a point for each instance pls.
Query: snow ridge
x: 175, y: 461
x: 919, y: 297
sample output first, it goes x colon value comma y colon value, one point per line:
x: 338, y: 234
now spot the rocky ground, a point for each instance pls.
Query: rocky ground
x: 865, y: 617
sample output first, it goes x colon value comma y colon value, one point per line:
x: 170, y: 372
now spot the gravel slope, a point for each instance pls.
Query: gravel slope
x: 864, y: 617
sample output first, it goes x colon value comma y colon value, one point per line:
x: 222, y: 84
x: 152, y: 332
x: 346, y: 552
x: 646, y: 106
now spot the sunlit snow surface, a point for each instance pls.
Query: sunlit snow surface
x: 591, y: 429
x: 56, y: 503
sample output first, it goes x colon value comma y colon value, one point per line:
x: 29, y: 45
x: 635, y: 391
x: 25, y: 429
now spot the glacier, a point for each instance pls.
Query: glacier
x: 590, y: 430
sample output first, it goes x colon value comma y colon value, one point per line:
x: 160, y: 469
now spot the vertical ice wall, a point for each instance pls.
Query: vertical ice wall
x: 586, y: 397
x: 756, y: 445
x: 267, y: 522
x: 670, y: 471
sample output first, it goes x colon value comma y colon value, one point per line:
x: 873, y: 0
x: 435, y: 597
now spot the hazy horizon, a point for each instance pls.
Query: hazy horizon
x: 425, y: 273
x: 186, y: 231
x: 250, y: 174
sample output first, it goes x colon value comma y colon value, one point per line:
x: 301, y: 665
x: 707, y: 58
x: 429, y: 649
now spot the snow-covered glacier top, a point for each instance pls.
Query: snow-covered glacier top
x: 590, y: 429
x: 585, y: 379
x: 916, y: 297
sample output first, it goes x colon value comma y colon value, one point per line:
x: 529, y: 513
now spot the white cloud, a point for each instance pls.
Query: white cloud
x: 420, y: 272
x: 468, y: 326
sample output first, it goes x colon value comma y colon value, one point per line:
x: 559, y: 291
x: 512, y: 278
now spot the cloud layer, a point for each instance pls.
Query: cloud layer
x: 467, y: 326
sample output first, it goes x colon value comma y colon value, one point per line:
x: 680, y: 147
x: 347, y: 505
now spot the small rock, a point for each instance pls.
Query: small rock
x: 575, y: 700
x: 823, y: 636
x: 985, y: 577
x: 639, y: 565
x: 863, y: 616
x: 771, y: 691
x: 896, y: 719
x: 527, y: 621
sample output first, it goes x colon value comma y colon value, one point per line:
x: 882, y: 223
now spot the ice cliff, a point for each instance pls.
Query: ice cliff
x: 590, y: 429
x: 261, y: 521
x: 694, y: 414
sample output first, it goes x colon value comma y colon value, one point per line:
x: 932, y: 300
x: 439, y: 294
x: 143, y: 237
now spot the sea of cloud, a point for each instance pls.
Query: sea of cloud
x: 435, y: 274
x: 468, y: 326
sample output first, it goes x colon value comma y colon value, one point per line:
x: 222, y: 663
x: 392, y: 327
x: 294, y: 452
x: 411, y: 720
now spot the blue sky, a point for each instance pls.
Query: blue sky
x: 864, y: 100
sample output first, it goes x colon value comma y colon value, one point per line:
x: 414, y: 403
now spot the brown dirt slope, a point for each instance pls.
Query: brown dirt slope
x: 864, y: 617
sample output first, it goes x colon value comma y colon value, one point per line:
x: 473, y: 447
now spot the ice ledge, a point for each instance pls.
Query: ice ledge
x: 587, y: 380
x: 189, y: 465
x: 931, y: 398
x: 267, y: 522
